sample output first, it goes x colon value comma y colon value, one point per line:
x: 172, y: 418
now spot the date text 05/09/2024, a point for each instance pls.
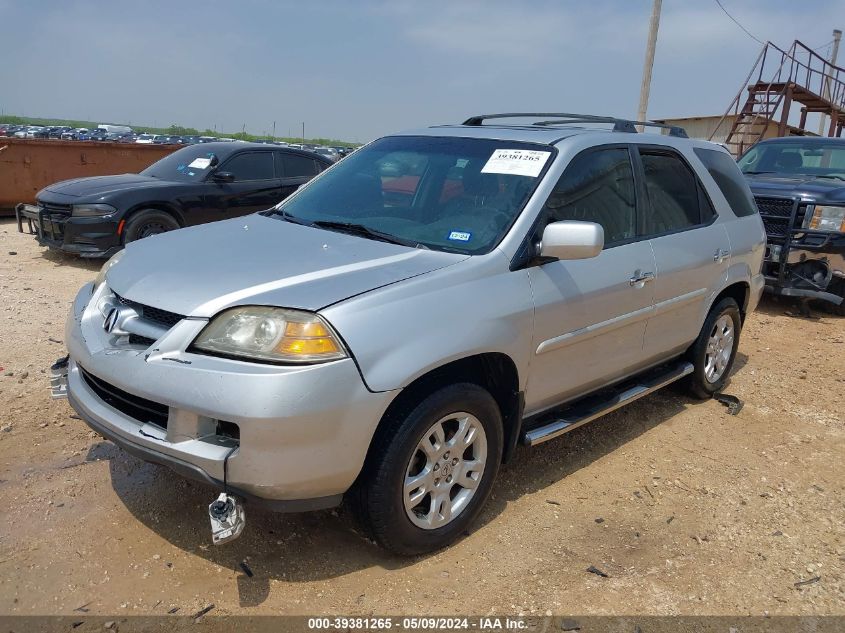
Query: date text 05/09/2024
x: 487, y: 623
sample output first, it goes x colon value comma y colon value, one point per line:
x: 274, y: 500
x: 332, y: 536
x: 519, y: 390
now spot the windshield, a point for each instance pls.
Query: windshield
x: 798, y: 158
x: 453, y: 194
x: 189, y: 164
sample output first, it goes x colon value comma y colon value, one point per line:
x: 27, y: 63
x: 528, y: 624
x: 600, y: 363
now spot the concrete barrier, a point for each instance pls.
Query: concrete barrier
x: 29, y: 165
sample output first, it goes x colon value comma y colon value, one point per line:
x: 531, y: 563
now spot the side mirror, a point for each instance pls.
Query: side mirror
x: 571, y: 239
x: 223, y: 176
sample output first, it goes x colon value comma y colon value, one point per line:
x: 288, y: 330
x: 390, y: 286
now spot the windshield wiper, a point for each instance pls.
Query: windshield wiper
x: 287, y: 216
x: 364, y: 231
x: 754, y: 173
x: 830, y: 176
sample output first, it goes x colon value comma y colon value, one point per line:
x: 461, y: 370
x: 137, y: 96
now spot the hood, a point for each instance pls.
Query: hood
x: 99, y: 186
x: 803, y: 186
x: 259, y: 260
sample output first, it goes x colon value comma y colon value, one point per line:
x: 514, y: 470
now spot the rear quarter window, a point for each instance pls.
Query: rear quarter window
x: 729, y: 179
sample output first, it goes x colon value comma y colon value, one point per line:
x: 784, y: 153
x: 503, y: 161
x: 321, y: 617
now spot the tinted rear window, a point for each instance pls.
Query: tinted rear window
x: 295, y: 166
x: 672, y: 193
x: 729, y: 179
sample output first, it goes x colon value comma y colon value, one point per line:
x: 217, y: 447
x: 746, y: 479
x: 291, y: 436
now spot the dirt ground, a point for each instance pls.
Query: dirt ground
x: 687, y: 509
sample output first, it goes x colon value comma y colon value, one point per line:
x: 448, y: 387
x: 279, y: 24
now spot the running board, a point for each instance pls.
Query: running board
x: 591, y: 408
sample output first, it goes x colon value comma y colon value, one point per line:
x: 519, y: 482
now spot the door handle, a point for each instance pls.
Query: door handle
x: 721, y: 255
x: 641, y: 278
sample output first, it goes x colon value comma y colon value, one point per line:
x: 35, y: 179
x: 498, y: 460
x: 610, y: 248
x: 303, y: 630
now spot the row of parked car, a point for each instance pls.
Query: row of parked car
x: 112, y: 133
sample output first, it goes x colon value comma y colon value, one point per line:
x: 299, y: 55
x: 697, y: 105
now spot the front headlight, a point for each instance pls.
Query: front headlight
x: 92, y: 210
x: 825, y: 218
x: 101, y: 276
x: 270, y: 334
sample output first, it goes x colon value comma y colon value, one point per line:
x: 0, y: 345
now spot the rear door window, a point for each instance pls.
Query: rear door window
x: 250, y: 166
x: 673, y: 193
x: 729, y: 179
x: 296, y: 166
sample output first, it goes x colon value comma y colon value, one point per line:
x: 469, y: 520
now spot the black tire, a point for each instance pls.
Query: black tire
x: 148, y: 222
x: 378, y: 497
x: 698, y: 383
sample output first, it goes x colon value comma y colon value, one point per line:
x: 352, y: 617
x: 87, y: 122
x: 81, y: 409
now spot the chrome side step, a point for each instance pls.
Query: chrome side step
x: 591, y: 408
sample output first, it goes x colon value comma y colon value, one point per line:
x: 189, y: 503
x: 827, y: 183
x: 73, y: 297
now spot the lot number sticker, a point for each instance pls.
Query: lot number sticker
x: 516, y: 162
x: 200, y: 163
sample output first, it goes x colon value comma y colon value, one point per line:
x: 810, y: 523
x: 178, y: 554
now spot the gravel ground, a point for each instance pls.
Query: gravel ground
x: 686, y: 509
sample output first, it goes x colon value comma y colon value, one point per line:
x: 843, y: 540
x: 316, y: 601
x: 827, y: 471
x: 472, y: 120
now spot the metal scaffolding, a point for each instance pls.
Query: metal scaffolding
x: 781, y: 79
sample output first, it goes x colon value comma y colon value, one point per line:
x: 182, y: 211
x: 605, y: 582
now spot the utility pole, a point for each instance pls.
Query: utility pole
x: 654, y: 24
x: 303, y: 132
x: 837, y: 35
x: 274, y: 130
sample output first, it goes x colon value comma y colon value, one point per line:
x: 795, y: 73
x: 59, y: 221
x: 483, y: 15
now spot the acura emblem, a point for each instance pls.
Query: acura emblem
x: 111, y: 320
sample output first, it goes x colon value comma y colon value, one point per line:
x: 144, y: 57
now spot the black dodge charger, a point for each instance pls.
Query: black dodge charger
x: 97, y: 216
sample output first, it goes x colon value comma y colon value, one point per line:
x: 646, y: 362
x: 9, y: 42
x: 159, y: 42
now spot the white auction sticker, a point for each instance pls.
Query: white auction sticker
x: 516, y: 162
x: 200, y: 163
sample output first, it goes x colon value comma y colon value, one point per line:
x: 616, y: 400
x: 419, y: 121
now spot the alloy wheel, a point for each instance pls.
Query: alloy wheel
x: 445, y: 470
x: 719, y: 348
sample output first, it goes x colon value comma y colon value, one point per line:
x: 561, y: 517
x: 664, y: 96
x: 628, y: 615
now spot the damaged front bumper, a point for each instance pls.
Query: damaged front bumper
x: 804, y: 272
x: 292, y: 437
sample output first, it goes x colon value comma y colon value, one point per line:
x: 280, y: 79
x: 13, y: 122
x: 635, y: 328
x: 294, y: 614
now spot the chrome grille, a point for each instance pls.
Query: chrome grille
x: 156, y: 315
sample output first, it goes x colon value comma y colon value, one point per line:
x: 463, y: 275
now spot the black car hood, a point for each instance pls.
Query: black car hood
x: 802, y: 186
x: 98, y: 186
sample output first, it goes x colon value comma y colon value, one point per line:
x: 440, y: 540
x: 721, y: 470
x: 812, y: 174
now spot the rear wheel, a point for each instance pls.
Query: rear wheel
x: 430, y: 470
x: 148, y: 222
x: 714, y: 351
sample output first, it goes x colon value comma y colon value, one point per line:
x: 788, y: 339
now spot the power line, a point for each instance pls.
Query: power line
x: 735, y: 21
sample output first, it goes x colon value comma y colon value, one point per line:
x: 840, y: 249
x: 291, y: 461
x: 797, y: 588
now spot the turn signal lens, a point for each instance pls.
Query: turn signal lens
x: 307, y: 346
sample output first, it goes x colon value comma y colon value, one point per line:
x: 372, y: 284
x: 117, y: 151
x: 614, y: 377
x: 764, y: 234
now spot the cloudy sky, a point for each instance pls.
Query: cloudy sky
x: 356, y: 70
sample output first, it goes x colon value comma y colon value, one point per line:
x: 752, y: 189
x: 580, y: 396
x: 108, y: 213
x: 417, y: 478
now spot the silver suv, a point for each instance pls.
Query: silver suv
x: 393, y: 330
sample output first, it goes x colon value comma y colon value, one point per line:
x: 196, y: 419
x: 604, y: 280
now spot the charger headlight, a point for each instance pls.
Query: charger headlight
x: 92, y: 210
x: 275, y: 335
x: 101, y: 276
x: 825, y: 218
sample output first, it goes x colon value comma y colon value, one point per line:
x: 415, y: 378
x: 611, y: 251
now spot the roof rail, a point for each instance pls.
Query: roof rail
x: 562, y: 118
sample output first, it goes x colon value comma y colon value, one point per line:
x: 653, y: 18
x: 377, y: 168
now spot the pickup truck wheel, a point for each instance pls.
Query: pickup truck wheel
x: 431, y: 470
x: 713, y: 352
x: 146, y: 223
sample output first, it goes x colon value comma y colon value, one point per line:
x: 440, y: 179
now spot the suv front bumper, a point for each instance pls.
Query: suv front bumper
x: 783, y: 260
x: 303, y: 431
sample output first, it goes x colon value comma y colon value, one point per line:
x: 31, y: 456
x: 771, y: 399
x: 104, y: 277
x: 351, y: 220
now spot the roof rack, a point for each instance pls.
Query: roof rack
x: 563, y: 118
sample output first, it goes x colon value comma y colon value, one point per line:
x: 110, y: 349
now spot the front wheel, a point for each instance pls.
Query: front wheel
x: 148, y: 222
x: 431, y: 469
x: 714, y: 351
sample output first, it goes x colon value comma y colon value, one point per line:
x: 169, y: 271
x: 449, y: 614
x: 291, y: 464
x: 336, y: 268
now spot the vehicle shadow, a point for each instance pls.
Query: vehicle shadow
x: 320, y: 545
x: 788, y: 306
x: 59, y: 258
x: 777, y: 306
